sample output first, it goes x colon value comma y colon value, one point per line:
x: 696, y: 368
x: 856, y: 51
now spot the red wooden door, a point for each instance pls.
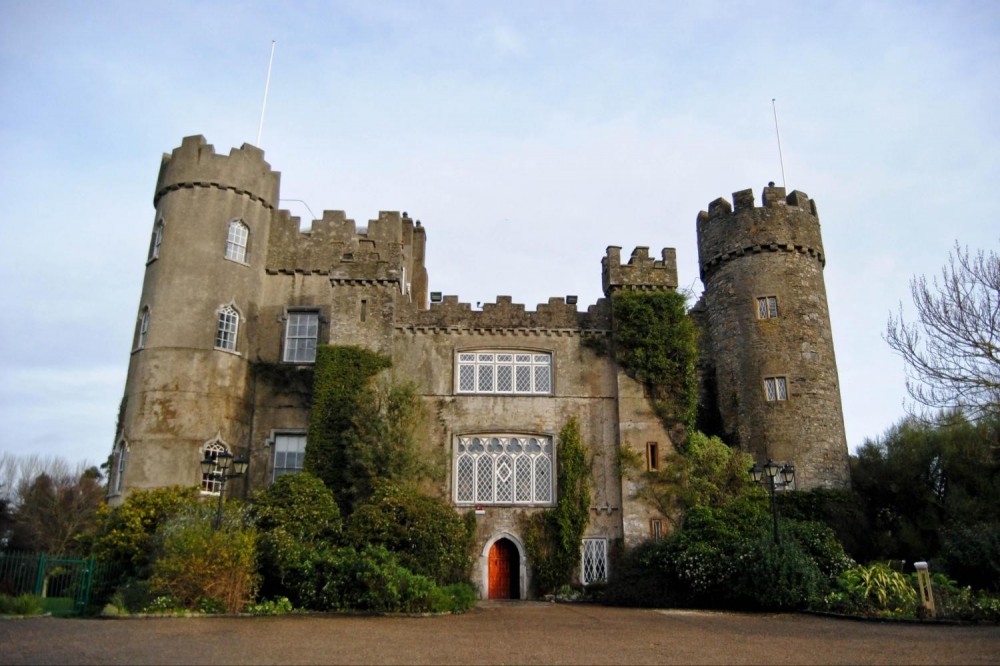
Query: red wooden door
x: 500, y: 570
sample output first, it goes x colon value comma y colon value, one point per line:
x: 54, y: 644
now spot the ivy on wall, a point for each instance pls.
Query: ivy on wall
x: 656, y: 344
x: 553, y: 538
x: 341, y: 377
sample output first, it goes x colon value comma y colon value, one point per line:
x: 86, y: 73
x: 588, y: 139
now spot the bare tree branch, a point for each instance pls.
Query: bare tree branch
x: 952, y: 350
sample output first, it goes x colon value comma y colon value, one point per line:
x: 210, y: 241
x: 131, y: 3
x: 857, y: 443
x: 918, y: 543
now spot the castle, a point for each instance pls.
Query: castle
x: 233, y: 285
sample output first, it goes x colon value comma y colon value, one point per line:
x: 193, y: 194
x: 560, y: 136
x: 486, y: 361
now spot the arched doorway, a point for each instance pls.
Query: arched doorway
x: 504, y: 570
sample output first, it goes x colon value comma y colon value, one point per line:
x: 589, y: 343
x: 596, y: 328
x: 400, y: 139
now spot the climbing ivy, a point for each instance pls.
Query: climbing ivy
x: 656, y: 344
x: 341, y: 378
x: 553, y: 538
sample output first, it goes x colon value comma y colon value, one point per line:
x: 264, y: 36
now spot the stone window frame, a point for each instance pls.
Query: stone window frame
x: 652, y: 456
x: 155, y: 241
x: 141, y: 329
x: 488, y: 463
x: 211, y: 481
x: 776, y: 389
x: 238, y: 245
x: 119, y: 460
x: 767, y: 307
x: 227, y: 328
x: 516, y: 363
x: 273, y: 442
x: 289, y: 315
x: 594, y: 560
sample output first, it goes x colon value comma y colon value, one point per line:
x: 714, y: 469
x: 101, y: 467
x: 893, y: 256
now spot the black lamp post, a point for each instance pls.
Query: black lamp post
x: 220, y: 465
x: 772, y: 469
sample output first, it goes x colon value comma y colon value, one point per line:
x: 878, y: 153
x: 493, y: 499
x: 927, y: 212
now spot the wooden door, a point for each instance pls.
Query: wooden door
x: 504, y: 567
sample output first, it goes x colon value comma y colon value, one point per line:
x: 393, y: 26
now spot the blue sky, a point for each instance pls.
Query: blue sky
x: 527, y: 137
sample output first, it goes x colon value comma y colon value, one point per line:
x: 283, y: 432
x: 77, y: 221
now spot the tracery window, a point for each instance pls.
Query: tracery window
x: 211, y: 481
x: 228, y: 327
x: 513, y: 372
x: 236, y: 241
x: 503, y: 469
x: 775, y: 388
x: 595, y: 561
x: 301, y: 332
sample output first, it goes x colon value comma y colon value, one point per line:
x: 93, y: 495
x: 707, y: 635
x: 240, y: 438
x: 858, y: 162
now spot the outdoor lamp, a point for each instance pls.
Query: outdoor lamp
x: 207, y: 465
x: 788, y: 473
x: 756, y: 472
x: 240, y: 466
x: 771, y: 468
x: 222, y: 461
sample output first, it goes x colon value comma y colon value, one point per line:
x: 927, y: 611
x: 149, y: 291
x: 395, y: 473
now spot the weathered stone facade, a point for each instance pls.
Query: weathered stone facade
x: 220, y: 246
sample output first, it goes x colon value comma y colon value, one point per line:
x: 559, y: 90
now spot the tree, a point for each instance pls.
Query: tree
x: 54, y: 511
x: 952, y: 351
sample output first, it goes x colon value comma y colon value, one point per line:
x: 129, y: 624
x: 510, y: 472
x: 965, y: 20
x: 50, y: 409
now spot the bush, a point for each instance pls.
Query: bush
x: 294, y: 516
x: 24, y: 604
x: 725, y: 558
x: 425, y: 534
x: 873, y: 590
x: 971, y: 554
x: 206, y: 568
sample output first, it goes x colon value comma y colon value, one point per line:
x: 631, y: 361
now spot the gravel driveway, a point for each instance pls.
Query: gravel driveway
x: 498, y: 633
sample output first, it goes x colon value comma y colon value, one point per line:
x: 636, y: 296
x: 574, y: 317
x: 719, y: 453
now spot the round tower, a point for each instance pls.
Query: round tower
x: 187, y: 385
x: 767, y: 334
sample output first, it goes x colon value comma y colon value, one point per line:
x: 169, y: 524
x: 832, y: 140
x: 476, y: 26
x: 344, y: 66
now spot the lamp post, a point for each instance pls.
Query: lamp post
x: 220, y: 465
x: 772, y: 469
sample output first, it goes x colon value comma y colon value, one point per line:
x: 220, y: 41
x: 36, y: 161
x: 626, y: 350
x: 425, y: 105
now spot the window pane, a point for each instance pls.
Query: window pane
x: 466, y: 378
x: 486, y: 378
x: 542, y: 379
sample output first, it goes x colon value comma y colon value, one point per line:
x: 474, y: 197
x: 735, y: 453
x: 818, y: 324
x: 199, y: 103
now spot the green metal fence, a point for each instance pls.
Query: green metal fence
x: 65, y: 584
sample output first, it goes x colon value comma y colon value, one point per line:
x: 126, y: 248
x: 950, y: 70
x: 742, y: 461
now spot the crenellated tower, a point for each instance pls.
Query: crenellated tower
x: 767, y: 335
x: 188, y: 374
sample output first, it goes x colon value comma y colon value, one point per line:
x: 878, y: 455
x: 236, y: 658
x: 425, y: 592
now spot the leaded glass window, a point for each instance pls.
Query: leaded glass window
x: 229, y: 324
x: 504, y: 372
x: 776, y: 388
x: 503, y: 469
x: 595, y: 561
x: 767, y: 307
x: 236, y: 241
x: 156, y: 240
x: 301, y: 333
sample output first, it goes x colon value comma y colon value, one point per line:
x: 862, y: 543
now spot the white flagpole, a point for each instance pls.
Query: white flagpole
x: 777, y: 134
x: 267, y: 85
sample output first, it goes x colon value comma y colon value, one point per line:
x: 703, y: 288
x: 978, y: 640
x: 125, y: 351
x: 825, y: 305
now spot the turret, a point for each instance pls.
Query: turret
x: 185, y: 395
x: 767, y: 335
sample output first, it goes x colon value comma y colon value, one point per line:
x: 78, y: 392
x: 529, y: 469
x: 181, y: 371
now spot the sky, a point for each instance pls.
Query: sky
x: 526, y: 136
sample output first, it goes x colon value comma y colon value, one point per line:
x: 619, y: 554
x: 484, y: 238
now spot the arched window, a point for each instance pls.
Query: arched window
x: 228, y: 327
x: 156, y: 240
x: 142, y: 328
x: 211, y: 481
x: 236, y: 241
x: 118, y: 462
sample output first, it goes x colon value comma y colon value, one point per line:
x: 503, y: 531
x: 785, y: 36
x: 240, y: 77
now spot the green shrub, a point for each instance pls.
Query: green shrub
x: 195, y: 561
x: 294, y: 516
x: 875, y: 589
x: 23, y: 604
x: 278, y: 606
x: 425, y: 534
x: 971, y: 554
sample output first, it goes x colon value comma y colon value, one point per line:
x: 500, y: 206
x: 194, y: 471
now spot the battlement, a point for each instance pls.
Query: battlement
x: 334, y: 244
x: 780, y: 224
x: 641, y: 272
x: 771, y: 197
x: 195, y: 164
x: 505, y: 316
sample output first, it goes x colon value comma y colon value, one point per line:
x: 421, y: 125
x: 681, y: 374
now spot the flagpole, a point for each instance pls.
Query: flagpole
x: 267, y: 85
x: 781, y: 160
